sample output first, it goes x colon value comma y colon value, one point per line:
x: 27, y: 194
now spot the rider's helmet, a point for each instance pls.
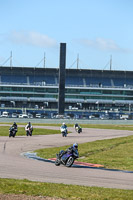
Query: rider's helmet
x: 63, y: 123
x: 75, y: 145
x: 29, y: 124
x: 14, y: 125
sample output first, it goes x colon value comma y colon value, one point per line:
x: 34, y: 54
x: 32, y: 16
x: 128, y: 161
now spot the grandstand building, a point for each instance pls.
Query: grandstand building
x: 85, y: 90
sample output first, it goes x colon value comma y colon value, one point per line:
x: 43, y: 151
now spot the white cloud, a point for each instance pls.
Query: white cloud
x: 32, y: 38
x: 103, y: 44
x: 106, y: 44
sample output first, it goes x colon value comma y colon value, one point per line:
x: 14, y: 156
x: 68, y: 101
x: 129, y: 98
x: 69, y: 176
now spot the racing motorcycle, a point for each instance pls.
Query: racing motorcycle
x: 78, y: 129
x: 67, y: 158
x: 64, y: 132
x: 12, y: 132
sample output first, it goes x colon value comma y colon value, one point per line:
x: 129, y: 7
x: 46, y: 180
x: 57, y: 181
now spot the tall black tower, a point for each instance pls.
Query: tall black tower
x: 62, y: 66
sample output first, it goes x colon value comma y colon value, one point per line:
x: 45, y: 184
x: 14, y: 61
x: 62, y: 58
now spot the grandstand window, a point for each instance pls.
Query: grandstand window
x: 14, y: 95
x: 38, y: 90
x: 129, y: 92
x: 107, y: 92
x: 116, y: 92
x: 16, y: 89
x: 28, y: 95
x: 73, y: 91
x: 5, y: 88
x: 28, y: 89
x: 52, y: 90
x: 50, y: 96
x: 129, y: 98
x: 73, y: 97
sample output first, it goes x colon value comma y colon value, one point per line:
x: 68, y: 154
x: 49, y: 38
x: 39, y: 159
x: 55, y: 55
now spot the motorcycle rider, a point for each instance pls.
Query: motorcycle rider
x: 71, y: 149
x: 27, y: 127
x: 14, y: 127
x: 77, y: 127
x: 63, y: 126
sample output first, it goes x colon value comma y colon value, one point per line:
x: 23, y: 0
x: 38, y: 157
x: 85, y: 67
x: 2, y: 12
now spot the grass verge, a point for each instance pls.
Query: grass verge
x: 4, y: 131
x: 40, y: 131
x: 12, y: 186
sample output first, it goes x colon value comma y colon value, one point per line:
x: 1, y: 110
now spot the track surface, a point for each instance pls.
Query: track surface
x: 14, y: 165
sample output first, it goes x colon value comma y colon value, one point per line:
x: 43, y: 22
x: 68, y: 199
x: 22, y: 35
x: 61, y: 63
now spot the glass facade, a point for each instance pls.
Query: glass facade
x: 70, y: 93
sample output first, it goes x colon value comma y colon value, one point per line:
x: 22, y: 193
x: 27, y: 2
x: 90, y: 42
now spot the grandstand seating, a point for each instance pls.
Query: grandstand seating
x: 129, y: 82
x: 13, y: 79
x: 70, y: 80
x: 118, y: 82
x: 49, y: 79
x: 23, y: 79
x: 122, y: 82
x: 73, y: 80
x: 98, y: 81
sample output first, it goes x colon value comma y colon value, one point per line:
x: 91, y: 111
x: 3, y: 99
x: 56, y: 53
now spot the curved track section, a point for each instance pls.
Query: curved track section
x: 14, y: 165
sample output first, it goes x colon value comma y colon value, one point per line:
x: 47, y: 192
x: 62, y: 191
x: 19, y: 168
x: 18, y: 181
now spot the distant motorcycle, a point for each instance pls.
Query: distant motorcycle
x: 64, y: 132
x: 12, y: 132
x: 29, y: 132
x: 66, y: 159
x: 78, y: 129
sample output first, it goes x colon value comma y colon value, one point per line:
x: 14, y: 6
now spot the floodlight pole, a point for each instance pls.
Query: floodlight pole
x: 62, y: 66
x: 11, y: 59
x: 110, y: 62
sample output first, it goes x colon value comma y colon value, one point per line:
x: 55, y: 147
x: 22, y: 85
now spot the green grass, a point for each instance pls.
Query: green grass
x: 71, y: 192
x: 99, y: 126
x: 109, y: 126
x: 113, y: 153
x: 34, y: 124
x: 21, y: 131
x: 39, y: 131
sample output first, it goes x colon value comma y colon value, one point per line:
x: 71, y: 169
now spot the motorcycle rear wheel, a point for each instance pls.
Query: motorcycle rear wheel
x: 70, y: 161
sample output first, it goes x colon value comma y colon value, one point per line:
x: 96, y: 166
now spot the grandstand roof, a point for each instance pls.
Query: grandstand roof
x: 78, y: 72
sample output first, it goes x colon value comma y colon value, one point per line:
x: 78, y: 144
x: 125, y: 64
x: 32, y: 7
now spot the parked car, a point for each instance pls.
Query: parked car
x: 5, y: 114
x: 38, y: 116
x: 14, y: 115
x: 30, y: 116
x: 23, y: 116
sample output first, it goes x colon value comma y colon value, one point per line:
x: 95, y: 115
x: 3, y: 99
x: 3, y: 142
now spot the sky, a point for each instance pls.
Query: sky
x: 95, y: 32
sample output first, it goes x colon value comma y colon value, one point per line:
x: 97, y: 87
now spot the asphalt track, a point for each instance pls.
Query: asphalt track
x: 14, y: 165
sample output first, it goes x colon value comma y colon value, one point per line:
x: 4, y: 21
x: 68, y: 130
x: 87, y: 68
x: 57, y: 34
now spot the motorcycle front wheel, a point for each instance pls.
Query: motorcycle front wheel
x: 57, y: 162
x: 70, y: 162
x: 64, y: 134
